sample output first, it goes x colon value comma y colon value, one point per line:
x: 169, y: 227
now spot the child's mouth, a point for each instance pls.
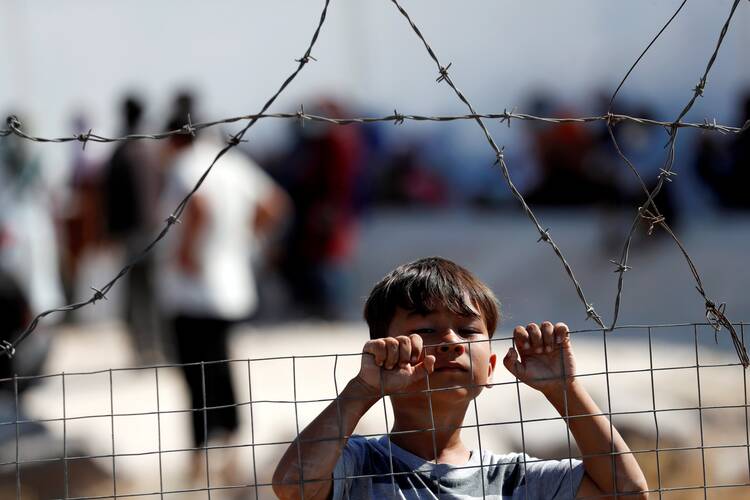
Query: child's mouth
x: 450, y: 368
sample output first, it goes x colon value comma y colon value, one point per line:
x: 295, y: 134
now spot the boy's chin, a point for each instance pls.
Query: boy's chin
x: 451, y: 389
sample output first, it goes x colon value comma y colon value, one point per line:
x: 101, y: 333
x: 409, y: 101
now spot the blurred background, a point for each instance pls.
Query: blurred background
x: 280, y: 247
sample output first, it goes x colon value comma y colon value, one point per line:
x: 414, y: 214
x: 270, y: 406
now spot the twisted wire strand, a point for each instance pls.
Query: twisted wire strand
x: 649, y: 212
x: 15, y: 127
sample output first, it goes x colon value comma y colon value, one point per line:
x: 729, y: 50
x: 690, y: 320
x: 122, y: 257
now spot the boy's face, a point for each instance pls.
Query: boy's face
x: 460, y: 344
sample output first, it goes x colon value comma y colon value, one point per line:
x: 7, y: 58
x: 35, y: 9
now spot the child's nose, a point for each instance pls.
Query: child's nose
x: 457, y: 349
x: 452, y: 344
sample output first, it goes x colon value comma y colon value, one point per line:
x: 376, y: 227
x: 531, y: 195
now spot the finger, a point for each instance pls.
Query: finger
x: 391, y: 352
x: 521, y: 338
x: 535, y: 338
x: 416, y: 348
x: 562, y: 334
x: 404, y: 350
x: 548, y: 336
x: 513, y: 365
x: 425, y: 368
x: 377, y: 349
x: 429, y: 364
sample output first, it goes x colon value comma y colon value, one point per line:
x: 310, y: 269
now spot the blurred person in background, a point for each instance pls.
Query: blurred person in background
x: 407, y: 179
x: 81, y: 218
x: 561, y: 150
x: 31, y: 354
x: 206, y: 280
x: 131, y: 189
x: 29, y: 275
x: 321, y: 175
x: 726, y: 168
x: 27, y: 361
x: 643, y: 146
x: 28, y: 240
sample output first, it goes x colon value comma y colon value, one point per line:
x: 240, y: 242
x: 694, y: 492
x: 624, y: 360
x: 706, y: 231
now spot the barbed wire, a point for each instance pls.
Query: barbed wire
x: 15, y: 127
x: 647, y: 212
x: 714, y: 313
x: 444, y: 76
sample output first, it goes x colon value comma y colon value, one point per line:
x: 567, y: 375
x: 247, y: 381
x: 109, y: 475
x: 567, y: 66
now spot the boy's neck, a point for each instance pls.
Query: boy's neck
x: 446, y: 446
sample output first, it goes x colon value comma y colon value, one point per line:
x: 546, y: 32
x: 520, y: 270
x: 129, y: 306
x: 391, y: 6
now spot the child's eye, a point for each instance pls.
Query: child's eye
x: 423, y: 331
x: 468, y: 332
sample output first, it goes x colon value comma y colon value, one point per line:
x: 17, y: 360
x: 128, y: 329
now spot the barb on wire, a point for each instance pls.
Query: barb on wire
x: 649, y: 211
x: 398, y: 118
x: 234, y: 140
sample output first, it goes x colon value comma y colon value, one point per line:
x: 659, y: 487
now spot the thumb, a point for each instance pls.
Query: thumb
x: 425, y: 368
x: 513, y: 365
x: 429, y: 363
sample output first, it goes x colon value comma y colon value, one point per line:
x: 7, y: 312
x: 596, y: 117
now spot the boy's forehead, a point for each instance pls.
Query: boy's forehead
x: 438, y: 309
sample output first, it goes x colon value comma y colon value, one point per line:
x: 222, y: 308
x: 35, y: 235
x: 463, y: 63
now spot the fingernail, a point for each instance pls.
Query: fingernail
x: 558, y: 340
x: 538, y: 350
x: 526, y: 345
x: 548, y: 348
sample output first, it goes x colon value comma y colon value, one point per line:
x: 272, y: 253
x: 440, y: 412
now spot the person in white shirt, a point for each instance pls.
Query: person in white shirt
x: 206, y: 281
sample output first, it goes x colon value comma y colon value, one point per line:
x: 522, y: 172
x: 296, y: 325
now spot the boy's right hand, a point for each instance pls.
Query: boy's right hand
x: 392, y: 364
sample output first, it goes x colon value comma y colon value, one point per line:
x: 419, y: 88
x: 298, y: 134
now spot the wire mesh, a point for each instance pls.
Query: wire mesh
x: 709, y: 435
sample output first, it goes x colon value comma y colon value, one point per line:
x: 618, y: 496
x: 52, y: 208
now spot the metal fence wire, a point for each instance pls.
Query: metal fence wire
x: 646, y: 213
x: 689, y: 427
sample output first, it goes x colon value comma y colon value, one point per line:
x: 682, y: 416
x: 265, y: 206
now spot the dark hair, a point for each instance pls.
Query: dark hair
x: 183, y: 108
x: 421, y: 286
x: 132, y: 112
x: 13, y: 316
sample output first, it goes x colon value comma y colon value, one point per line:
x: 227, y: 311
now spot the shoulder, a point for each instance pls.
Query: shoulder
x: 355, y: 454
x: 374, y: 455
x: 362, y: 445
x: 545, y: 475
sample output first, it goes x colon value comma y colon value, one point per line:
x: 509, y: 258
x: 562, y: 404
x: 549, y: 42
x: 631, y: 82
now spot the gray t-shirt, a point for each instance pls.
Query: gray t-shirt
x: 364, y: 471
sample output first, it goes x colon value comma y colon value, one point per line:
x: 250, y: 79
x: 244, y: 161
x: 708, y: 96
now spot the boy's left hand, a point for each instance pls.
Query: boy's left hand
x: 546, y: 359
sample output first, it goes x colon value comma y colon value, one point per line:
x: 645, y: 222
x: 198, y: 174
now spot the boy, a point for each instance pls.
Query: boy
x: 430, y: 326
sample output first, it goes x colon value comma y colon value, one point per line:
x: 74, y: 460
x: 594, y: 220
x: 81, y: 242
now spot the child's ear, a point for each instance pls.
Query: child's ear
x: 491, y: 370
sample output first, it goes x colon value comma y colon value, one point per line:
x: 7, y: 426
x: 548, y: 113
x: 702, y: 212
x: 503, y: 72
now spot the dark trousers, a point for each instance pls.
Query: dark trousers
x: 205, y: 339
